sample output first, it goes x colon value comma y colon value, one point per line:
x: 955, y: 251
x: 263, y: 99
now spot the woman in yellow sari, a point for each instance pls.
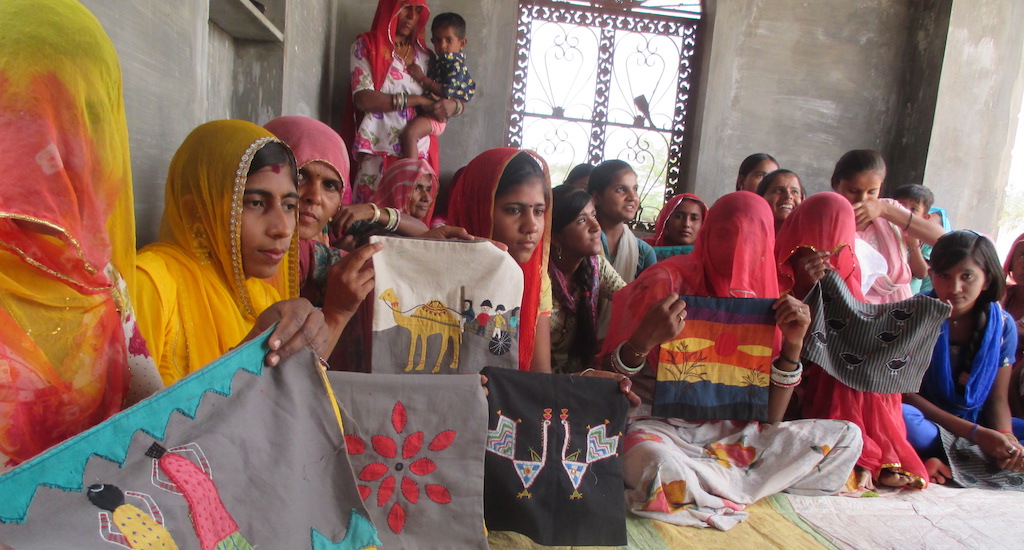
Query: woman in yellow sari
x: 225, y: 267
x: 70, y: 354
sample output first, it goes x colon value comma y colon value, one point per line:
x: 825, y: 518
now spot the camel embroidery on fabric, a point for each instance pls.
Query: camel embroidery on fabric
x: 461, y: 315
x: 426, y: 320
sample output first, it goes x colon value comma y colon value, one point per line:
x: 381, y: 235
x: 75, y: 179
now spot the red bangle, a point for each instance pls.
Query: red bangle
x: 1006, y: 432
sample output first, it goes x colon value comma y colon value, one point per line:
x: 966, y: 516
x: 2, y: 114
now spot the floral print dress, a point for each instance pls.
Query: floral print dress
x: 377, y: 135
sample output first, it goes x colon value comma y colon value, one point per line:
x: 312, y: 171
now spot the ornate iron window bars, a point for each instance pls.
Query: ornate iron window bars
x: 604, y: 79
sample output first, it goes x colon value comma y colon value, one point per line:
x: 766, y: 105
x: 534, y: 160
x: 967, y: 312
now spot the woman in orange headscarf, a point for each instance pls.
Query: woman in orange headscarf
x: 70, y: 354
x: 384, y: 94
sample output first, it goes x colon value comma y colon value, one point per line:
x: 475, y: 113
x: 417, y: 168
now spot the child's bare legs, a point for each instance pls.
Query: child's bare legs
x: 414, y: 131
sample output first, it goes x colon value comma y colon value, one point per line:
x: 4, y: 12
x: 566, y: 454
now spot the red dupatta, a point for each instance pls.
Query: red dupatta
x: 658, y: 239
x: 380, y: 49
x: 733, y: 257
x: 399, y: 182
x: 824, y: 221
x: 472, y: 208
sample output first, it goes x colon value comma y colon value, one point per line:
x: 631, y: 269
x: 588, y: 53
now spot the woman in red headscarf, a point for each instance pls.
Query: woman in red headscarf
x: 503, y: 195
x: 677, y: 226
x: 384, y: 94
x: 819, y: 235
x: 665, y: 462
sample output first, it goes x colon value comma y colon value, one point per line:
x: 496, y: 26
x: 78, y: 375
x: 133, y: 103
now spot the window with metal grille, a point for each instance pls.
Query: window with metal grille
x: 605, y: 79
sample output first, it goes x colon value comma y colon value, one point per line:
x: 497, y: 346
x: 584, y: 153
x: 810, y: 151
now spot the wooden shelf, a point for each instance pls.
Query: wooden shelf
x: 242, y: 20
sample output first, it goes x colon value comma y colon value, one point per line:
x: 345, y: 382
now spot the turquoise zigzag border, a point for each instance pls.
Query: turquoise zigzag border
x: 63, y: 466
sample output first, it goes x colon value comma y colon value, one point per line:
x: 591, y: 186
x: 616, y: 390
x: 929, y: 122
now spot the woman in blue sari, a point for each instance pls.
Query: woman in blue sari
x: 965, y: 389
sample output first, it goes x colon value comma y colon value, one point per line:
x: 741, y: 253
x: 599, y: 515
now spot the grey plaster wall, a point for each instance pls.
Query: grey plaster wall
x: 802, y: 81
x: 490, y: 29
x: 163, y: 55
x: 924, y: 49
x: 976, y: 115
x: 180, y: 70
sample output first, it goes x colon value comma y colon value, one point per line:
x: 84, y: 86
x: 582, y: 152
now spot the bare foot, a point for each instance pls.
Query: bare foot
x: 859, y: 480
x: 893, y: 478
x: 938, y: 471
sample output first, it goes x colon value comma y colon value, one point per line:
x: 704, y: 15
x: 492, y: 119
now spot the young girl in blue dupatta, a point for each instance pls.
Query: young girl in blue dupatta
x: 965, y: 389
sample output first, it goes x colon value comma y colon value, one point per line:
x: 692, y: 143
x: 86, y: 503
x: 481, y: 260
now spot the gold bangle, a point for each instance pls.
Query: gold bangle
x: 376, y: 213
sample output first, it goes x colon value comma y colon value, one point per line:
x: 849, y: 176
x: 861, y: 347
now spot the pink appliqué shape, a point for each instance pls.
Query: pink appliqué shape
x: 399, y: 460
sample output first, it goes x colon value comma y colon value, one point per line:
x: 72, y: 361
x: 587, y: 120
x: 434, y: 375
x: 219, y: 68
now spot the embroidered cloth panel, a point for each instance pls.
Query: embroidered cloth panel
x: 719, y: 366
x: 233, y: 456
x: 881, y: 348
x: 445, y: 307
x: 553, y: 468
x: 416, y: 444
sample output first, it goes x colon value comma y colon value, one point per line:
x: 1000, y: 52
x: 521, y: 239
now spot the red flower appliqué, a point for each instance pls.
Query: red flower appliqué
x: 395, y: 465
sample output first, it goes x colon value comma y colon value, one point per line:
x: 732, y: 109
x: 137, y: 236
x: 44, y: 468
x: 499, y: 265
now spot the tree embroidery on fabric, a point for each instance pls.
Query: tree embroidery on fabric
x: 136, y: 528
x: 214, y: 526
x: 426, y: 320
x: 502, y: 442
x: 387, y: 449
x: 599, y: 447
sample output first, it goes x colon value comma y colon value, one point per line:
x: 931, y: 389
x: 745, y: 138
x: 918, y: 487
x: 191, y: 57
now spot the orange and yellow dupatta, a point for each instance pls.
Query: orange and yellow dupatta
x: 66, y: 221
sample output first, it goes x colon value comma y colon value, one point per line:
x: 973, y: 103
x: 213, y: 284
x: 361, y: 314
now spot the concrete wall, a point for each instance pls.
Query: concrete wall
x: 490, y: 30
x: 180, y: 70
x: 976, y: 115
x: 934, y: 84
x: 803, y: 82
x: 924, y: 48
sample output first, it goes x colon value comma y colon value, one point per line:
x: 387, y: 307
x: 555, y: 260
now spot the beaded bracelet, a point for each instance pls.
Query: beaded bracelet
x: 621, y: 366
x: 376, y: 213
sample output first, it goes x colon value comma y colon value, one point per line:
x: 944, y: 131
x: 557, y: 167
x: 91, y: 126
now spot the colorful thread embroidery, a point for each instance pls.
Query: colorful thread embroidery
x: 599, y: 447
x: 502, y: 442
x: 136, y: 528
x: 213, y: 524
x: 387, y: 448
